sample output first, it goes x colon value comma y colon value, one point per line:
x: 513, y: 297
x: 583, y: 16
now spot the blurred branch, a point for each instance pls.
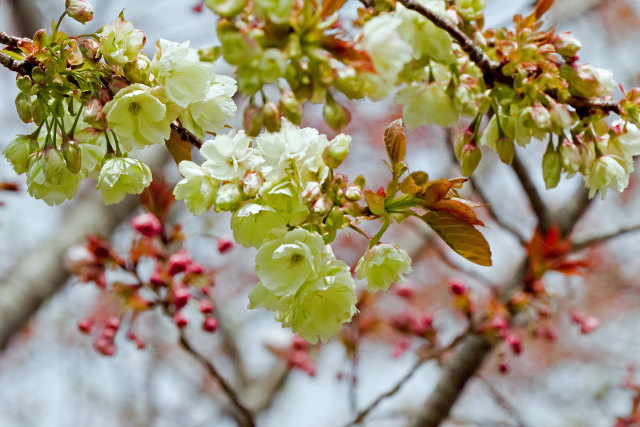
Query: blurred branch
x: 584, y: 243
x: 511, y: 410
x: 20, y: 67
x: 10, y: 40
x: 429, y: 355
x: 40, y: 273
x: 242, y: 415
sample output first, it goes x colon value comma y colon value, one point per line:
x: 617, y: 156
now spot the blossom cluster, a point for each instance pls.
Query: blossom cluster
x: 113, y: 101
x: 287, y: 203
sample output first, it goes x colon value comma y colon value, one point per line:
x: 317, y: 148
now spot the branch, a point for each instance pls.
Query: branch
x: 492, y: 71
x: 243, y: 416
x: 430, y: 355
x: 590, y: 241
x: 10, y: 40
x: 574, y: 210
x: 538, y: 206
x: 186, y: 135
x: 20, y: 67
x: 511, y: 410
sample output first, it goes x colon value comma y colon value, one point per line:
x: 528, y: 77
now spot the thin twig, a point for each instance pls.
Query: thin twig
x: 590, y: 241
x: 430, y: 355
x: 502, y: 401
x: 539, y: 208
x: 244, y: 416
x: 186, y: 135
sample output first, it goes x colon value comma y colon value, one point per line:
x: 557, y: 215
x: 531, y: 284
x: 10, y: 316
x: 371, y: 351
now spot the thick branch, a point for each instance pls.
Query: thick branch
x: 10, y: 40
x: 244, y: 416
x: 20, y: 67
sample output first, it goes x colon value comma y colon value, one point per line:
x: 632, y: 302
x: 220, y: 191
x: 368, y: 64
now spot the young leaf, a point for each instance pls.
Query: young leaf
x: 415, y: 183
x: 460, y: 236
x: 375, y: 203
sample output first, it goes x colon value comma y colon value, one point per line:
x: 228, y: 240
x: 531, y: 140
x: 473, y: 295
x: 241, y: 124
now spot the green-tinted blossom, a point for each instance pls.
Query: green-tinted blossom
x: 383, y: 265
x: 120, y: 176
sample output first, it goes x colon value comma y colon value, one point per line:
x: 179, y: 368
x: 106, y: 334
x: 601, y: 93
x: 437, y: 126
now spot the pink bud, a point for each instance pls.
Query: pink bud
x: 195, y: 268
x: 85, y: 325
x: 515, y: 342
x: 589, y: 324
x: 180, y: 320
x: 457, y: 288
x: 422, y: 324
x: 105, y: 346
x: 224, y: 244
x: 206, y: 307
x: 113, y: 322
x: 503, y: 368
x: 147, y: 224
x: 157, y: 280
x: 210, y: 324
x: 499, y: 323
x: 140, y: 344
x: 180, y: 296
x: 179, y: 262
x: 406, y: 292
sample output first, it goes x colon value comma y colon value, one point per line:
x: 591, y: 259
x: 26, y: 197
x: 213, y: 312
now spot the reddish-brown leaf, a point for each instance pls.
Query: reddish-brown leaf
x: 460, y: 236
x: 178, y: 148
x: 458, y: 208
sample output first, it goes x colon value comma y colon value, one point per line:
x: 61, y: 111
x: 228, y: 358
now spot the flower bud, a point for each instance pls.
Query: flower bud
x: 116, y: 83
x: 23, y: 107
x: 253, y: 120
x: 290, y: 107
x: 251, y: 183
x: 568, y: 46
x: 469, y: 159
x: 312, y: 192
x: 272, y: 65
x: 180, y: 320
x: 335, y: 114
x: 540, y: 116
x: 178, y: 263
x: 53, y: 165
x: 353, y: 193
x: 210, y: 324
x: 383, y: 265
x: 457, y: 288
x: 551, y: 167
x: 24, y: 84
x: 505, y: 149
x: 336, y: 151
x: 138, y: 70
x: 79, y: 10
x: 72, y: 155
x: 570, y: 156
x: 147, y: 224
x: 93, y: 114
x: 89, y: 48
x: 560, y: 116
x: 18, y: 152
x: 228, y: 197
x: 321, y: 207
x: 226, y: 8
x: 224, y: 245
x: 271, y: 116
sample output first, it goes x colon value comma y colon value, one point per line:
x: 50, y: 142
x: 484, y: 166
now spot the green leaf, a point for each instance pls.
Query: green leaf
x: 462, y: 237
x: 375, y: 203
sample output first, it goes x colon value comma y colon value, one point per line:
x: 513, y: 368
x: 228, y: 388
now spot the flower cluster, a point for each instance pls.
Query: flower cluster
x: 287, y: 202
x: 95, y: 98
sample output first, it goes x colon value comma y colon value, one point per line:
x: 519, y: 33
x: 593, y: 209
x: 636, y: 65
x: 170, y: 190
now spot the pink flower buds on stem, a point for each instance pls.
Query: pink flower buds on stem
x: 79, y: 10
x: 514, y: 341
x: 206, y: 307
x: 589, y: 324
x: 147, y: 224
x: 105, y: 346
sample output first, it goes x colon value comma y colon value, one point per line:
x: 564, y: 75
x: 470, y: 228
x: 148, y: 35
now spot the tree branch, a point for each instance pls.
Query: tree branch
x: 593, y: 240
x: 243, y: 415
x: 492, y: 71
x: 10, y: 40
x: 20, y: 67
x: 430, y: 355
x: 186, y: 135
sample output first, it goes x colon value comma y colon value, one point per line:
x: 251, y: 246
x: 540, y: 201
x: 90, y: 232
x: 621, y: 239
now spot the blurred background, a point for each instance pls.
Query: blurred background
x: 51, y: 376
